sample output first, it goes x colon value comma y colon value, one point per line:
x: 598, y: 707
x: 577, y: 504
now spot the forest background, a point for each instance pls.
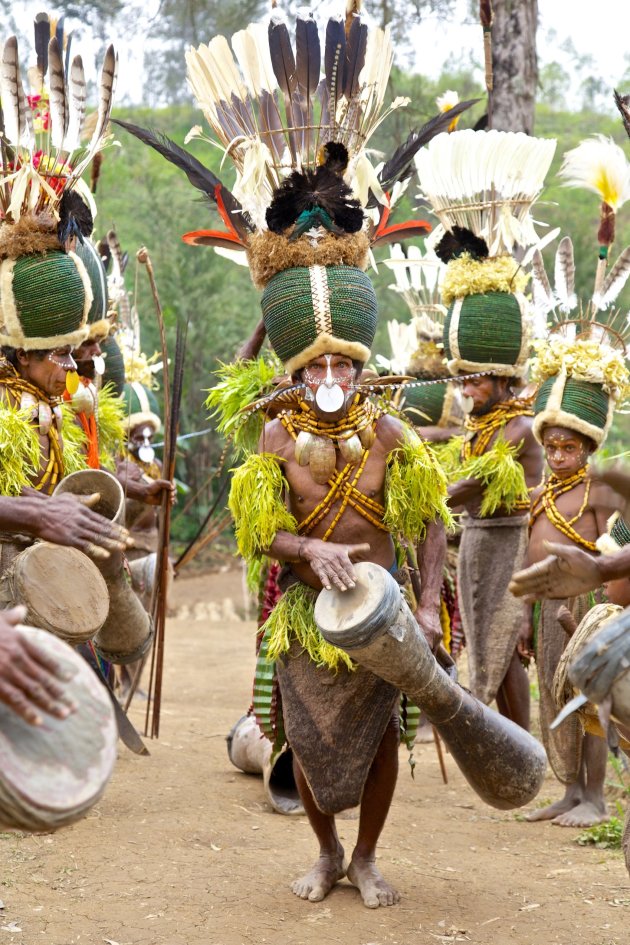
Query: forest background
x: 150, y: 203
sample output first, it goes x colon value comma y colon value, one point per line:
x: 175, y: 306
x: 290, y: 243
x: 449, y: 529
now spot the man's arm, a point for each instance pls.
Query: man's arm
x: 64, y: 520
x: 431, y: 554
x: 329, y: 561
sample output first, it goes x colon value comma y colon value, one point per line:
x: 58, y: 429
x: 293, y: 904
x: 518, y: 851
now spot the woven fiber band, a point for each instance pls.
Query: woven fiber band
x: 423, y: 406
x: 576, y: 405
x: 44, y: 300
x: 485, y: 333
x: 620, y: 533
x: 141, y: 407
x: 97, y: 316
x: 320, y: 310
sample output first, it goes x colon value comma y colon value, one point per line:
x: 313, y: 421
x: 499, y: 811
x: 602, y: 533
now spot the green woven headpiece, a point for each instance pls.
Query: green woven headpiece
x: 616, y: 536
x: 485, y: 332
x: 98, y: 323
x: 114, y: 365
x: 44, y: 300
x: 427, y: 406
x: 574, y: 404
x: 319, y: 310
x: 140, y: 407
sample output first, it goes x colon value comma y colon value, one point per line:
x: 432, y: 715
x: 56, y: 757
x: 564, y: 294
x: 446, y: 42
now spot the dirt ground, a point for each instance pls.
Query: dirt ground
x: 185, y: 850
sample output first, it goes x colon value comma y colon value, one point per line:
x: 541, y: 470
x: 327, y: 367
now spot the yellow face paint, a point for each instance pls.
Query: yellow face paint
x: 72, y: 382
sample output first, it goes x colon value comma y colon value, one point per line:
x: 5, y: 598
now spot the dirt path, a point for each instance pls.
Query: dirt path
x: 185, y: 850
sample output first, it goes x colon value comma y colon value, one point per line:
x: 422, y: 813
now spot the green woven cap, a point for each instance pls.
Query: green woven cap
x: 576, y: 405
x: 141, y: 407
x: 98, y: 322
x: 44, y: 300
x: 319, y: 310
x: 114, y: 365
x: 620, y: 533
x: 486, y: 333
x: 424, y: 406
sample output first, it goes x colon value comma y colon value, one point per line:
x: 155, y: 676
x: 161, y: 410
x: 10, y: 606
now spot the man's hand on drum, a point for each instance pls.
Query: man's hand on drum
x: 428, y: 618
x: 30, y: 681
x: 567, y: 572
x: 332, y: 563
x: 67, y: 519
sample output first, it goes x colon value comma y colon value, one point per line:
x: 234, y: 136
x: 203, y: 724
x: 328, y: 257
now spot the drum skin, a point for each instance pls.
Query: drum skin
x: 502, y: 762
x: 52, y: 774
x: 62, y: 590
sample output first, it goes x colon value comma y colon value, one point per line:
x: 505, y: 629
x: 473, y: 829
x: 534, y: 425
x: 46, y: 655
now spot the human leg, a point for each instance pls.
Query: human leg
x: 329, y: 868
x: 513, y: 695
x: 591, y: 808
x: 375, y: 804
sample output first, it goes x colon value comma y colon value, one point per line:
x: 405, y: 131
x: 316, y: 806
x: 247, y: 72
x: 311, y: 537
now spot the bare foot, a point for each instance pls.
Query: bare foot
x: 585, y: 814
x: 374, y: 890
x: 553, y: 810
x: 316, y: 885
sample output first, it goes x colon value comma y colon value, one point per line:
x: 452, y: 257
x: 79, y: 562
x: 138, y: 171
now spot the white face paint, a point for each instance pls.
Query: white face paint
x: 146, y: 453
x: 329, y: 395
x: 99, y: 364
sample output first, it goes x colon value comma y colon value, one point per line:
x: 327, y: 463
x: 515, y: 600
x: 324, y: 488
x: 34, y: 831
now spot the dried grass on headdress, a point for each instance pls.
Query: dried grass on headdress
x: 29, y: 235
x: 269, y: 253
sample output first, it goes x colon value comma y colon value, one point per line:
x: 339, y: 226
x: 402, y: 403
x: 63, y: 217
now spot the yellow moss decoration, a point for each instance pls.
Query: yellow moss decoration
x: 583, y: 359
x: 468, y: 276
x: 415, y: 490
x: 257, y: 505
x: 19, y: 450
x: 293, y: 619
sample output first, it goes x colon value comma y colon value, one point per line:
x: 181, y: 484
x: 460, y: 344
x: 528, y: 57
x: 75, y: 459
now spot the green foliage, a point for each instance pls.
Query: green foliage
x: 241, y: 383
x: 605, y: 836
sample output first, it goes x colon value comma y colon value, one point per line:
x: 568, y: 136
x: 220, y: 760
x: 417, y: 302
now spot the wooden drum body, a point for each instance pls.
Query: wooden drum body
x: 601, y: 669
x: 52, y: 774
x: 111, y: 503
x: 62, y: 590
x: 372, y: 622
x: 127, y: 632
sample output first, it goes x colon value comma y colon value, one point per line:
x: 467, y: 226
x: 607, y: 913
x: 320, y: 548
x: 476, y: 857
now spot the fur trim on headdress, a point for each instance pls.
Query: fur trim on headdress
x: 269, y: 253
x: 30, y: 234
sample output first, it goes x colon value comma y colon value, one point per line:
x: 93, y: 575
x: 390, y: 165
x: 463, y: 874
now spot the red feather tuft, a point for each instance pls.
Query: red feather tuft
x: 213, y: 238
x: 400, y: 231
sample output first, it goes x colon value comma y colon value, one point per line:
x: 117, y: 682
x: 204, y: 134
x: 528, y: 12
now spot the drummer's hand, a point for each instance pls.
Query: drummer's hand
x: 68, y: 520
x: 331, y: 562
x: 29, y: 679
x: 567, y: 572
x: 429, y: 622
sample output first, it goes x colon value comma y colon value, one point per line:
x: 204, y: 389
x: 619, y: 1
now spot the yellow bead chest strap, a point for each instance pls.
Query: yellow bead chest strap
x: 484, y: 428
x: 546, y: 502
x: 343, y: 487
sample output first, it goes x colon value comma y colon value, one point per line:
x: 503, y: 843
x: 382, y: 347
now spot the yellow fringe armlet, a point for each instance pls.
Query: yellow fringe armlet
x: 257, y: 504
x: 415, y: 490
x: 74, y: 442
x: 502, y: 476
x: 293, y: 618
x: 111, y: 432
x: 448, y: 455
x: 19, y: 450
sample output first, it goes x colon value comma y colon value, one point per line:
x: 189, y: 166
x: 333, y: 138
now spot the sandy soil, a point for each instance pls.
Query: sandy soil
x: 185, y: 850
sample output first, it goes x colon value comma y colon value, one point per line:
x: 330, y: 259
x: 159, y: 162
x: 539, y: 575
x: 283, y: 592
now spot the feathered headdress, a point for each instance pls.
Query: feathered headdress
x: 581, y: 366
x: 481, y: 185
x: 45, y: 291
x: 417, y: 348
x: 307, y: 205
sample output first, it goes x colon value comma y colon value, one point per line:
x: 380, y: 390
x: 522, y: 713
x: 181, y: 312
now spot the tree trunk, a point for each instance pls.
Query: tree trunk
x: 514, y: 64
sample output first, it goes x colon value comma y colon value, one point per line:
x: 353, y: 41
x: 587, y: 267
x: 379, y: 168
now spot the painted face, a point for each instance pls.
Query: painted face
x: 89, y: 358
x: 330, y: 381
x: 47, y: 373
x: 480, y: 394
x: 565, y: 451
x: 140, y: 440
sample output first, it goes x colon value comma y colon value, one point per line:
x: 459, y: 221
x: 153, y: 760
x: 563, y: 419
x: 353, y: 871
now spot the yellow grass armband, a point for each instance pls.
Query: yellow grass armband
x: 415, y: 490
x: 257, y: 504
x: 501, y: 474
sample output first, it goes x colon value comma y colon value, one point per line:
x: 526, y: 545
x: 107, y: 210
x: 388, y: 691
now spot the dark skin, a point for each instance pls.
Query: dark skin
x: 486, y: 392
x: 30, y: 681
x: 566, y: 453
x: 136, y: 484
x: 330, y: 564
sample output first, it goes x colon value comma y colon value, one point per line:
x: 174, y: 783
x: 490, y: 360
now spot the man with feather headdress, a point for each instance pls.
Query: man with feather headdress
x: 335, y: 477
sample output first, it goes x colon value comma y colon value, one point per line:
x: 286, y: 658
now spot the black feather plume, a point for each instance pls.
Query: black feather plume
x: 199, y: 176
x: 75, y: 217
x: 42, y: 38
x: 460, y: 240
x: 335, y: 157
x: 322, y: 189
x: 335, y: 61
x: 400, y: 164
x: 623, y: 104
x: 355, y: 56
